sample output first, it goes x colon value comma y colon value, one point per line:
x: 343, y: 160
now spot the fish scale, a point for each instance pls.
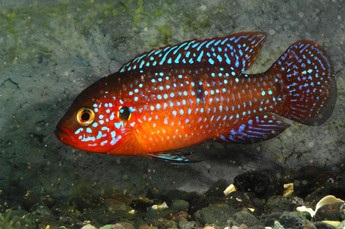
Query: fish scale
x: 181, y: 95
x: 184, y: 113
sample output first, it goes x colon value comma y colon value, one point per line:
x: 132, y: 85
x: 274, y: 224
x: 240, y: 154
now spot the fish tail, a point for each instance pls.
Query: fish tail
x: 307, y: 83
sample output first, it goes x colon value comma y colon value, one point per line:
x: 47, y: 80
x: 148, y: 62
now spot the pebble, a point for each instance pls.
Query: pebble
x: 89, y: 226
x: 245, y: 217
x: 248, y: 207
x: 254, y: 182
x: 217, y: 214
x: 329, y: 212
x: 292, y: 220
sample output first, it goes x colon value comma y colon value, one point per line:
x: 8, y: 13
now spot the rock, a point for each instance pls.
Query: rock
x: 141, y: 204
x: 121, y: 225
x: 197, y: 203
x: 164, y: 223
x: 342, y: 212
x: 322, y: 225
x: 255, y: 182
x: 342, y: 224
x: 179, y: 205
x: 146, y: 226
x: 42, y: 211
x: 276, y: 204
x: 328, y: 212
x: 185, y: 224
x: 217, y: 214
x: 292, y: 220
x: 176, y: 217
x: 217, y: 189
x: 239, y: 200
x: 245, y: 217
x: 89, y: 226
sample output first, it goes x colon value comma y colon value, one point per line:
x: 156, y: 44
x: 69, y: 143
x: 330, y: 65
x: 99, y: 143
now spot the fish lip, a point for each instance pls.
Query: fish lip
x: 64, y: 135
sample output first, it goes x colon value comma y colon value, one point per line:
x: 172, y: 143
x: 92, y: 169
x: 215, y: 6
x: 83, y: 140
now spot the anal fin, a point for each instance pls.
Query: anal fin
x: 259, y: 128
x: 177, y: 158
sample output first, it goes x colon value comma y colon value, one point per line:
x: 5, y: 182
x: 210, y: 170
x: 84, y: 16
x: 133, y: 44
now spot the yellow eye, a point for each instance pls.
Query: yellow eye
x: 85, y: 116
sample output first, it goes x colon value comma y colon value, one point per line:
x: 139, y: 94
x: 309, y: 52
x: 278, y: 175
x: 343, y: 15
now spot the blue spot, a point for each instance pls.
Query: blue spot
x: 118, y: 124
x: 200, y: 56
x: 79, y: 130
x: 211, y: 61
x: 263, y: 93
x: 99, y: 135
x: 227, y: 59
x: 219, y: 58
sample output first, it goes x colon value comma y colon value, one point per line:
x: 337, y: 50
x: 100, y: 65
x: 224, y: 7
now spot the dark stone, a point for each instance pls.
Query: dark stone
x: 239, y: 200
x: 141, y: 204
x: 217, y: 214
x: 292, y: 220
x: 179, y: 205
x: 255, y: 182
x: 277, y: 204
x: 217, y: 189
x: 197, y: 203
x: 245, y: 217
x: 322, y: 225
x: 328, y: 212
x: 153, y: 193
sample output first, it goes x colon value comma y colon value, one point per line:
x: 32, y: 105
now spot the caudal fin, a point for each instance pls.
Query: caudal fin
x: 308, y: 86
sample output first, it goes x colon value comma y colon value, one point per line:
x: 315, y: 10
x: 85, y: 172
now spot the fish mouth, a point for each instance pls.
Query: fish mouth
x: 64, y: 135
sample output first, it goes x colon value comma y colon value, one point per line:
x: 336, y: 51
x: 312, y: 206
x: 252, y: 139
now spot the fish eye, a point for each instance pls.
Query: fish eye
x: 85, y: 116
x: 124, y: 113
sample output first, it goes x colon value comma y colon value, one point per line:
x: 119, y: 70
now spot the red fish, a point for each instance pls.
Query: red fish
x: 184, y: 94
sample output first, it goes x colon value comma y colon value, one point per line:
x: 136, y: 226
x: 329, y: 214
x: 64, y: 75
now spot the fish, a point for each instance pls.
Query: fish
x: 181, y: 95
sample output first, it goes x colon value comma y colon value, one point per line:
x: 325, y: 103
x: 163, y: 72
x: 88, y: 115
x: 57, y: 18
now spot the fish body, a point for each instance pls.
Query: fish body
x: 184, y: 94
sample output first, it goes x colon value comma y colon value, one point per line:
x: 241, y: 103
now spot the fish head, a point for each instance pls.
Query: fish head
x: 98, y: 121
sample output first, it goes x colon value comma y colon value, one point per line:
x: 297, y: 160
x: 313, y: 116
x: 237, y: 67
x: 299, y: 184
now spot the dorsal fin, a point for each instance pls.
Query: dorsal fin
x: 238, y: 51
